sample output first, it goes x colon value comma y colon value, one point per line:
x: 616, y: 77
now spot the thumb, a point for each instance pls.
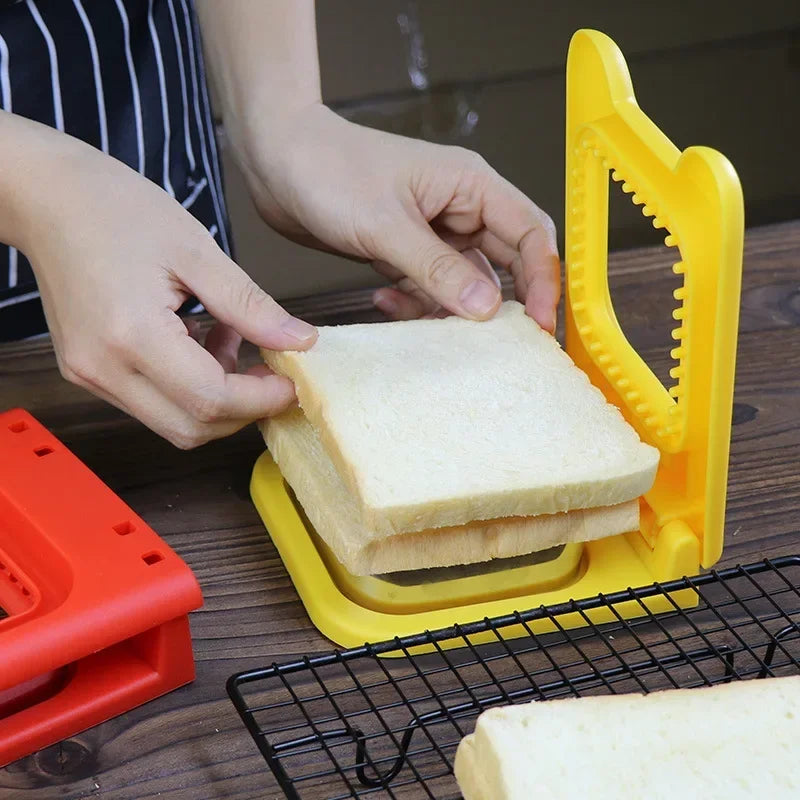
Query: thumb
x: 449, y: 277
x: 233, y: 298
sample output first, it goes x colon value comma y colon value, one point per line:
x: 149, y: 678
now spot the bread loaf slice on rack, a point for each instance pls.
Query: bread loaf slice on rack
x: 736, y: 741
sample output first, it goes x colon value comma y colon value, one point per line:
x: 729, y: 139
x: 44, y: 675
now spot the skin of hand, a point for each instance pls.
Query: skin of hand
x: 410, y: 207
x: 426, y: 215
x: 115, y: 257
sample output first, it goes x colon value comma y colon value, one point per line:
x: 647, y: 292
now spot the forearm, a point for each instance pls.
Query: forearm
x: 34, y: 161
x: 263, y: 54
x: 57, y: 188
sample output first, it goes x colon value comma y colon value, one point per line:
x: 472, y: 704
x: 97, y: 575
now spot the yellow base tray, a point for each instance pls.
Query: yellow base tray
x: 352, y: 611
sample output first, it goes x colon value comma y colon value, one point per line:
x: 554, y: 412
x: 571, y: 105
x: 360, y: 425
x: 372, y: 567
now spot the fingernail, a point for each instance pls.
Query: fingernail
x: 479, y: 298
x: 297, y: 329
x: 385, y: 303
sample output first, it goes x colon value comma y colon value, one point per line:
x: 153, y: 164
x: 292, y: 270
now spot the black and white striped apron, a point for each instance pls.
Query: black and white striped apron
x: 126, y: 76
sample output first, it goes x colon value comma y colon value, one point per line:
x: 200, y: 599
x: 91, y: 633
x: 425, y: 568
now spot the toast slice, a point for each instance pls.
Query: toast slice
x: 335, y: 515
x: 735, y: 741
x: 443, y: 422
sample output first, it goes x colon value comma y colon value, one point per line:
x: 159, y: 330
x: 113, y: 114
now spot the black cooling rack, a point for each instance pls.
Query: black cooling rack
x: 351, y: 724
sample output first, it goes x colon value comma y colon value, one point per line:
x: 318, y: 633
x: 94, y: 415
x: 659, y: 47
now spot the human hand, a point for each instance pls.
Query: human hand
x: 424, y: 214
x: 115, y: 258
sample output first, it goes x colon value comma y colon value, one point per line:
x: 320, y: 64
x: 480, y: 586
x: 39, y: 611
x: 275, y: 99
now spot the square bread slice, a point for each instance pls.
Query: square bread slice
x: 442, y: 422
x: 334, y: 513
x: 735, y: 741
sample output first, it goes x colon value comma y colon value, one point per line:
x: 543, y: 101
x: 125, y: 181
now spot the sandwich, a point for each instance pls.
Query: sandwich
x: 437, y: 442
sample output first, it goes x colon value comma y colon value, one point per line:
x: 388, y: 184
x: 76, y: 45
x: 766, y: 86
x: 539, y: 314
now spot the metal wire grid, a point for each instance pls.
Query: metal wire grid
x: 350, y: 724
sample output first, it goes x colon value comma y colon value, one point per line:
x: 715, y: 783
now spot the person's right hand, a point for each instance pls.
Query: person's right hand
x: 115, y: 258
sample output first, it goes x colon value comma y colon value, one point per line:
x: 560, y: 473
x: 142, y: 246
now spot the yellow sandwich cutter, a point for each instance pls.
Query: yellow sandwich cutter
x: 695, y: 196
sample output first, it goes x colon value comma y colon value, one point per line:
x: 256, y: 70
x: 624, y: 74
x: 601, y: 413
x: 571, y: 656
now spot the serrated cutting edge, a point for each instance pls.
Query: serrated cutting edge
x: 666, y: 423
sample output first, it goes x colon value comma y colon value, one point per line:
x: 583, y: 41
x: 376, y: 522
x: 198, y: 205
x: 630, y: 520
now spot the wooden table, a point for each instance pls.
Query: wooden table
x: 190, y: 745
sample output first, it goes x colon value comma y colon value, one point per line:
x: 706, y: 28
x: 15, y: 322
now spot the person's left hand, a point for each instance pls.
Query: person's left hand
x: 421, y: 213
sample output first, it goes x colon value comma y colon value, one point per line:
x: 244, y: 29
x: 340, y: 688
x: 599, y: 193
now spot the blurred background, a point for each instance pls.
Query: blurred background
x: 489, y: 75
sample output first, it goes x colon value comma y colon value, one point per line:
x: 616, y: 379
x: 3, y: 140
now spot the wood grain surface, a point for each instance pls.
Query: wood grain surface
x: 190, y: 744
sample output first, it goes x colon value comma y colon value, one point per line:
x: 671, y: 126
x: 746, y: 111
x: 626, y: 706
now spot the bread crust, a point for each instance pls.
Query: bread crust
x: 362, y: 550
x: 513, y: 489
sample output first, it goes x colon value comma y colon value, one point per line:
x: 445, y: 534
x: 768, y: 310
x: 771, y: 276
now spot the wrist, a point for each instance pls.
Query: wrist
x: 263, y: 58
x: 282, y: 156
x: 266, y: 142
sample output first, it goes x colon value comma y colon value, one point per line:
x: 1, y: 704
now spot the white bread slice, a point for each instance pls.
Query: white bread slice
x: 735, y: 741
x: 442, y: 422
x: 333, y: 512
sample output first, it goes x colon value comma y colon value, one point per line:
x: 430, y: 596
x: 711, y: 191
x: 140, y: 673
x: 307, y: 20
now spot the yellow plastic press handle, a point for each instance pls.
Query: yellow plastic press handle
x: 696, y: 197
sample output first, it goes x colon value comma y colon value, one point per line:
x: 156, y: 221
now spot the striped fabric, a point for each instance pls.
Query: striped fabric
x: 126, y: 76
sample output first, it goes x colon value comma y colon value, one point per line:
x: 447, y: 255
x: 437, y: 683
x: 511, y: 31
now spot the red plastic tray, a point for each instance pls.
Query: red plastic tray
x: 96, y: 603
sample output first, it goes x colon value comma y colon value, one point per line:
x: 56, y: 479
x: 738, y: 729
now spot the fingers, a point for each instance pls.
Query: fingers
x: 437, y: 269
x: 191, y: 394
x: 519, y: 224
x: 482, y: 263
x: 192, y: 378
x: 236, y: 300
x: 193, y: 328
x: 398, y: 305
x: 181, y: 391
x: 506, y: 257
x: 138, y: 397
x: 407, y: 301
x: 144, y: 401
x: 223, y: 343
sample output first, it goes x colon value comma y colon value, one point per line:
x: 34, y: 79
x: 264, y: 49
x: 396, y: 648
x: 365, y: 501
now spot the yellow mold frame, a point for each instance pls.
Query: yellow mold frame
x: 696, y: 196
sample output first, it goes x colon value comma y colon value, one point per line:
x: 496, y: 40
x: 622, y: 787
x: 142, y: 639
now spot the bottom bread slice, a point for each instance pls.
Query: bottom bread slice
x: 734, y: 741
x: 332, y: 510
